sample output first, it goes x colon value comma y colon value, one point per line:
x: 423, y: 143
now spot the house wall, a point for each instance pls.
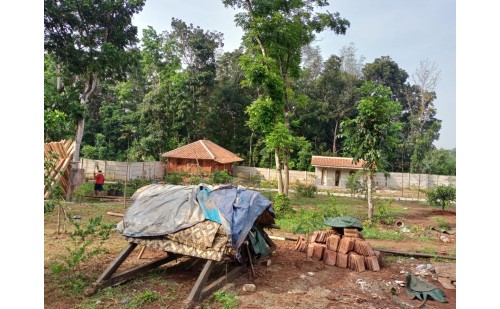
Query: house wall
x: 194, y: 166
x: 325, y: 177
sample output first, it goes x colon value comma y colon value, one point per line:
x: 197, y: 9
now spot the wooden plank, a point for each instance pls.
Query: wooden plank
x: 117, y: 262
x: 118, y: 278
x: 230, y: 276
x: 195, y: 293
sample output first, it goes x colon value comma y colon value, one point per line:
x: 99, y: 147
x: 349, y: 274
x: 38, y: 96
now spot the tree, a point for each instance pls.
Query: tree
x: 275, y: 32
x: 440, y: 162
x: 373, y: 133
x: 89, y: 39
x: 442, y: 196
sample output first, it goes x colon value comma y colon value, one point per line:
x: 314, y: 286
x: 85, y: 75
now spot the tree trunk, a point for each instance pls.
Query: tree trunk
x: 334, y: 148
x: 287, y: 175
x: 76, y: 159
x: 369, y: 197
x: 278, y: 172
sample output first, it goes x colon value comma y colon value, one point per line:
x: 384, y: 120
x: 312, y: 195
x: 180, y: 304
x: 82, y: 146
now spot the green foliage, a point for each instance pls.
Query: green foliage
x: 440, y: 162
x: 226, y: 299
x: 384, y: 212
x: 86, y: 242
x: 442, y: 223
x: 174, y: 178
x: 441, y: 196
x: 195, y: 179
x: 143, y: 298
x: 333, y: 209
x: 220, y: 177
x: 282, y: 207
x: 353, y: 182
x: 306, y: 190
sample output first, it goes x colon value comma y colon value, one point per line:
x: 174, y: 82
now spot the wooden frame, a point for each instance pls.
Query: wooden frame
x: 200, y: 289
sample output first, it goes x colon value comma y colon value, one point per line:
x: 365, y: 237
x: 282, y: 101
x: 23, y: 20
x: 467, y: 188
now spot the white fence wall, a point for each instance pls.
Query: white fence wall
x: 394, y: 181
x: 114, y: 170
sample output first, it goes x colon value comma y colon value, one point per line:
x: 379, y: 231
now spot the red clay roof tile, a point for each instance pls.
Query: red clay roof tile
x: 203, y: 150
x: 335, y: 162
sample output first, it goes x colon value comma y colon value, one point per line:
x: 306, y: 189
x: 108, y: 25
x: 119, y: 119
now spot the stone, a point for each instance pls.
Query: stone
x: 249, y: 287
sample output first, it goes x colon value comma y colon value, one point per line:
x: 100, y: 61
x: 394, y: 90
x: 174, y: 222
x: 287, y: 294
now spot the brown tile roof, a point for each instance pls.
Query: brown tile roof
x: 335, y: 162
x: 203, y: 150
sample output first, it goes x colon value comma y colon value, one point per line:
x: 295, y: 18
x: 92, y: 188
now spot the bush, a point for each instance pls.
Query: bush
x: 306, y: 190
x: 353, y: 183
x: 174, y: 178
x: 218, y: 177
x: 383, y: 212
x: 282, y: 206
x: 441, y: 196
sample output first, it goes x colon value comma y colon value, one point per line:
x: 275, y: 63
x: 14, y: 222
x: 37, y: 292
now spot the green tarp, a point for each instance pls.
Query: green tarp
x: 422, y: 290
x: 341, y: 222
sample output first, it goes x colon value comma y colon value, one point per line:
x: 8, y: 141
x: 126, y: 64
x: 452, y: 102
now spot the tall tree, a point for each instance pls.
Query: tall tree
x: 373, y: 133
x: 275, y: 31
x: 423, y: 126
x: 90, y: 39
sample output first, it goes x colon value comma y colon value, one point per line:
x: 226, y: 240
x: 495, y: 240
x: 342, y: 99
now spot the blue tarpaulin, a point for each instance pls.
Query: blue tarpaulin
x: 164, y: 209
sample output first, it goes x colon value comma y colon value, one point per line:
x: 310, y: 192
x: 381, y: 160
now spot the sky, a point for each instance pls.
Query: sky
x: 408, y: 31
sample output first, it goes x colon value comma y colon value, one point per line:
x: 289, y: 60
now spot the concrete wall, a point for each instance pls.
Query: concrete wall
x: 394, y: 181
x: 119, y: 171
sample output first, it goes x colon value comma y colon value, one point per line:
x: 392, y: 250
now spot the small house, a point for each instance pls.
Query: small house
x: 333, y: 171
x: 200, y: 157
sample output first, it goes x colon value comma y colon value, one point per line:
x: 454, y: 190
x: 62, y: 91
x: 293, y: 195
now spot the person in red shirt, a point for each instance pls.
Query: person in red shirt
x: 99, y: 181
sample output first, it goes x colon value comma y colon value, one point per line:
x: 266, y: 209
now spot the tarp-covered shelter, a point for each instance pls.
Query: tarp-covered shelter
x: 200, y: 221
x: 202, y: 156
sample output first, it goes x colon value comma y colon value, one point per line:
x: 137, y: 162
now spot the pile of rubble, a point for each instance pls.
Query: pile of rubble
x: 345, y: 250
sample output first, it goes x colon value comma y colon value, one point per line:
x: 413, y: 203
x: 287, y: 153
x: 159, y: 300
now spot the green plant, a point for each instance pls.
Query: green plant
x: 353, y: 182
x: 194, y: 180
x: 174, y: 178
x: 51, y: 186
x: 226, y: 299
x: 86, y: 241
x: 143, y: 298
x: 218, y: 177
x: 305, y: 190
x: 442, y: 223
x: 255, y: 180
x: 333, y: 209
x: 441, y: 196
x: 383, y: 211
x: 282, y: 206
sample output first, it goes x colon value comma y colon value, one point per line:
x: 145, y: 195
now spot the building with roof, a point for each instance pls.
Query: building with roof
x: 201, y: 157
x: 333, y: 171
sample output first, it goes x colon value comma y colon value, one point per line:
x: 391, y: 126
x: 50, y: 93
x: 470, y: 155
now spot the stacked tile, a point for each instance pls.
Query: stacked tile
x: 332, y: 242
x: 371, y: 263
x: 330, y: 257
x: 351, y: 232
x: 362, y: 247
x: 301, y: 244
x: 346, y: 244
x: 379, y: 258
x: 356, y: 262
x: 341, y: 260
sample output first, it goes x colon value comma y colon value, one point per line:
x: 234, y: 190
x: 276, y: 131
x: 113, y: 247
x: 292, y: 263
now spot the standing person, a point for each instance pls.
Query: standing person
x: 99, y: 181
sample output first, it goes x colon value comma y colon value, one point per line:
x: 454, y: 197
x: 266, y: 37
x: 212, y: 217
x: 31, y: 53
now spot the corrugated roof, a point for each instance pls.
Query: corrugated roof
x: 335, y: 162
x: 203, y: 150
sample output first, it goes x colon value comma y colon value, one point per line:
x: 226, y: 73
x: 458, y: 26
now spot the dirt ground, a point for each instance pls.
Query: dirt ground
x: 290, y: 281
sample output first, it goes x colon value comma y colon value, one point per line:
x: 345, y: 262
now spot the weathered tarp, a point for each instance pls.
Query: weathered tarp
x: 164, y: 209
x: 345, y: 221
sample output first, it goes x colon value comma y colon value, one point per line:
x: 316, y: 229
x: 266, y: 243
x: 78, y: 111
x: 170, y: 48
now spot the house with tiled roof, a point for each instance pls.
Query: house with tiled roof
x: 202, y: 156
x: 333, y: 171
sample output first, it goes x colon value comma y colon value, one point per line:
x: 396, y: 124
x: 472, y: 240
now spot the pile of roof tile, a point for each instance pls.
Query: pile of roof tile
x: 347, y: 250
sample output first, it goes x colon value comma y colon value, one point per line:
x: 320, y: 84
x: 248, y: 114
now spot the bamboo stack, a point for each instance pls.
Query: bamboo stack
x: 64, y: 152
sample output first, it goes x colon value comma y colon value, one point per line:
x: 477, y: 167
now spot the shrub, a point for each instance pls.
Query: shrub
x: 353, y: 183
x: 306, y: 190
x: 218, y: 177
x: 442, y: 223
x: 383, y: 212
x: 441, y: 196
x: 282, y: 206
x: 174, y: 178
x: 226, y: 299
